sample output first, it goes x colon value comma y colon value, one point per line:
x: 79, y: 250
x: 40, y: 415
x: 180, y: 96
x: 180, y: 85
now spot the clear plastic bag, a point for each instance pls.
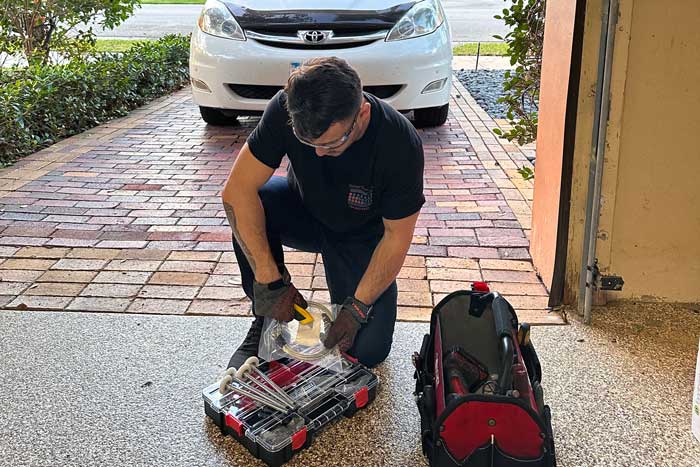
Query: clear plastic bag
x: 301, y: 341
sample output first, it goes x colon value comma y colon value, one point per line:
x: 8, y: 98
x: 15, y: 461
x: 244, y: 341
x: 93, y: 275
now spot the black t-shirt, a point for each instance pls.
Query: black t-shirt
x: 378, y: 176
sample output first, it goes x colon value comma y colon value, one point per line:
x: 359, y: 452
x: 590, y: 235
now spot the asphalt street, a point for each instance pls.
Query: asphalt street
x: 471, y: 20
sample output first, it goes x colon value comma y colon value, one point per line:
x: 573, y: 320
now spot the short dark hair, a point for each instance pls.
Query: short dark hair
x: 320, y: 92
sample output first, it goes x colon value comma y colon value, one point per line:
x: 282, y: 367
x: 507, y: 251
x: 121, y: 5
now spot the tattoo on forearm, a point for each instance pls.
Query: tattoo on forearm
x: 232, y: 222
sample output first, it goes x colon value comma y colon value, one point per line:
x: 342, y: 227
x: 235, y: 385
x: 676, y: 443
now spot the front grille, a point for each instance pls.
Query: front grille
x: 339, y: 30
x: 297, y: 46
x: 254, y: 91
x: 336, y: 39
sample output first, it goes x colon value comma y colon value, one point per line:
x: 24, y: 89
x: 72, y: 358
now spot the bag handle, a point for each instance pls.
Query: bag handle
x: 502, y: 318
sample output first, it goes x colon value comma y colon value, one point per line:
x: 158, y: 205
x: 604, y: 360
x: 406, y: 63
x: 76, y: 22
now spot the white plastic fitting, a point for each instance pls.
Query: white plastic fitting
x: 225, y: 381
x: 252, y: 361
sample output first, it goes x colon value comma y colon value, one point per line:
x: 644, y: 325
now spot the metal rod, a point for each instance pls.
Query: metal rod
x: 307, y: 375
x: 257, y: 392
x: 272, y: 384
x: 243, y: 373
x: 478, y: 52
x: 257, y: 399
x: 330, y: 382
x: 262, y: 402
x: 602, y: 109
x: 261, y: 395
x: 270, y: 391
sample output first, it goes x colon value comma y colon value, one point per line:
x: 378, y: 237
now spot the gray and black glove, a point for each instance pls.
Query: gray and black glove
x: 276, y: 300
x: 352, y: 315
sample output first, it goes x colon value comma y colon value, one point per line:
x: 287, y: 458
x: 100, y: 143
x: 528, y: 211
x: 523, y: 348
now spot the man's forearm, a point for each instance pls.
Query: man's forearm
x: 247, y: 220
x: 383, y: 268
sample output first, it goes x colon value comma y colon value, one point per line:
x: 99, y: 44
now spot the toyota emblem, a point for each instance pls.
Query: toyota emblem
x: 315, y: 36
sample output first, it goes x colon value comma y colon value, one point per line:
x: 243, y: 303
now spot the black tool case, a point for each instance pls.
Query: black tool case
x: 322, y: 395
x: 478, y: 386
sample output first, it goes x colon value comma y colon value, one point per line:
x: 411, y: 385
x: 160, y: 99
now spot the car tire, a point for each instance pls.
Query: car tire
x: 431, y: 116
x: 218, y: 117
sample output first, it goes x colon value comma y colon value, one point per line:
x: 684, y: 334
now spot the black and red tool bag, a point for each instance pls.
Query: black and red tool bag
x: 478, y: 386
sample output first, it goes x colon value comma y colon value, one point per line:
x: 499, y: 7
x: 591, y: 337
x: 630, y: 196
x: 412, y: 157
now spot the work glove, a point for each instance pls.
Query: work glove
x: 276, y: 300
x: 352, y: 315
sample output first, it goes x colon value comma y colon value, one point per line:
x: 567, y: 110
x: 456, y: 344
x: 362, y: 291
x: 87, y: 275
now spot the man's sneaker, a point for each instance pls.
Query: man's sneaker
x: 249, y: 346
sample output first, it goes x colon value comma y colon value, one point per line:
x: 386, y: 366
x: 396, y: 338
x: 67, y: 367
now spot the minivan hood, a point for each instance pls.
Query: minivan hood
x: 293, y: 5
x: 318, y: 14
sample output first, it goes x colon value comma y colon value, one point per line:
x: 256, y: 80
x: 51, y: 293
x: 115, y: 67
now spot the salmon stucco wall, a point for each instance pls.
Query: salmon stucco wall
x: 556, y: 62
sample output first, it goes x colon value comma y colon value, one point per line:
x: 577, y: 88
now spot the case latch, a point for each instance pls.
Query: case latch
x: 299, y: 439
x: 361, y: 397
x: 234, y: 423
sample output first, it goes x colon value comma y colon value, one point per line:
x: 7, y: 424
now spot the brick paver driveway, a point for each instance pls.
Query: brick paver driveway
x: 127, y: 218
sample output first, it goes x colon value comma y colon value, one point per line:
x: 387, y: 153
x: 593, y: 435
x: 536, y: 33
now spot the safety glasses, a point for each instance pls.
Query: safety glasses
x: 333, y: 145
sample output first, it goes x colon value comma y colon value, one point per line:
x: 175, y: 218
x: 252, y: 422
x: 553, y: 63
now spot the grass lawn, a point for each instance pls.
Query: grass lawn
x: 170, y: 2
x: 115, y: 45
x: 487, y: 48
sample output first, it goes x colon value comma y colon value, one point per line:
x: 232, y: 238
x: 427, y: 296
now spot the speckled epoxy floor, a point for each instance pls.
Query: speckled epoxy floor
x: 82, y: 389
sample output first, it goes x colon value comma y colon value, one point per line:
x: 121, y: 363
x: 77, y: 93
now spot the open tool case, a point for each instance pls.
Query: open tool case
x: 478, y: 386
x: 321, y: 397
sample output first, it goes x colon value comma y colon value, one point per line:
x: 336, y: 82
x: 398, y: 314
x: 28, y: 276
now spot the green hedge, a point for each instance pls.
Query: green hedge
x: 41, y: 105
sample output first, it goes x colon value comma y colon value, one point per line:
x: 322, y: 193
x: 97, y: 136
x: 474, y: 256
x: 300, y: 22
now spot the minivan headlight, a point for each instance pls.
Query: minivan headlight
x: 217, y: 20
x: 423, y: 18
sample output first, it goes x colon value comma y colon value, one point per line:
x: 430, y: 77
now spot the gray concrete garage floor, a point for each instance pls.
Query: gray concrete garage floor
x: 80, y: 389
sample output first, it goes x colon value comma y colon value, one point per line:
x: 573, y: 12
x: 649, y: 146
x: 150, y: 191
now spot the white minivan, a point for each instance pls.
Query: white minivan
x: 242, y: 52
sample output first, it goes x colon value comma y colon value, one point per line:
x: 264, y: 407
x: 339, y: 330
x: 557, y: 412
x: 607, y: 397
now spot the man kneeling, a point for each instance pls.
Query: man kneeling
x: 353, y: 192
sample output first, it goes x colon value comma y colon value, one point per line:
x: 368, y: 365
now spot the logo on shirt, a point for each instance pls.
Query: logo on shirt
x: 359, y: 197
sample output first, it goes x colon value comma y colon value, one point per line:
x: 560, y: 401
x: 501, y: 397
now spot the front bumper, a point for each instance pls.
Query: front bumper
x: 411, y: 63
